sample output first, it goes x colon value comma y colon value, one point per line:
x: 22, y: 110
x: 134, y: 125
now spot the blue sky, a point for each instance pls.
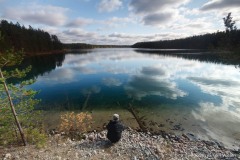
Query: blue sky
x: 121, y: 21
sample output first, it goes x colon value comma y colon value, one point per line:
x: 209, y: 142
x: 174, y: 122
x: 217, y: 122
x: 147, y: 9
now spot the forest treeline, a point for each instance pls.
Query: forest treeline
x: 29, y: 39
x: 90, y: 46
x: 36, y: 40
x: 229, y: 41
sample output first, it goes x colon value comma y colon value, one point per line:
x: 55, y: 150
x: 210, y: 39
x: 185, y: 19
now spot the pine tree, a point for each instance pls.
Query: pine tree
x: 229, y: 23
x: 16, y: 102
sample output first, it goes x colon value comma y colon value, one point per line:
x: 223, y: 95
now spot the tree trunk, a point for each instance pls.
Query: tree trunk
x: 13, y: 110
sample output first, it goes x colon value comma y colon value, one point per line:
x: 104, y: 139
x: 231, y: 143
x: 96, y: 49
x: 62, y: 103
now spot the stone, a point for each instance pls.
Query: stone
x: 58, y: 158
x: 155, y: 137
x: 76, y: 155
x: 158, y: 151
x: 190, y: 136
x: 236, y: 151
x: 221, y: 145
x: 176, y: 138
x: 7, y: 156
x: 89, y: 154
x: 91, y: 137
x: 84, y: 136
x: 209, y: 143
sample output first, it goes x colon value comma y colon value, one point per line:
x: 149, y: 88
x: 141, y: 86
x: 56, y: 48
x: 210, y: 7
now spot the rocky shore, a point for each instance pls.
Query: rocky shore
x: 133, y: 146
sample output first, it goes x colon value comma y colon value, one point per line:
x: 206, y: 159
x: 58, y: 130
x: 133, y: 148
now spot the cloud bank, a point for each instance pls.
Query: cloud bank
x: 220, y: 4
x: 38, y: 14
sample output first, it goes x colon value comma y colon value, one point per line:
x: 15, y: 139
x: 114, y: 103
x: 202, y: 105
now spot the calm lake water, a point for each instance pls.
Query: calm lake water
x: 179, y: 94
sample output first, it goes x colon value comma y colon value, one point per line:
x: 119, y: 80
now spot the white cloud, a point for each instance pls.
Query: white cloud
x: 220, y: 4
x: 116, y: 21
x: 37, y: 14
x: 79, y: 35
x: 157, y: 18
x: 158, y: 13
x: 79, y: 22
x: 171, y: 18
x: 153, y: 6
x: 195, y: 26
x: 109, y: 5
x: 218, y: 9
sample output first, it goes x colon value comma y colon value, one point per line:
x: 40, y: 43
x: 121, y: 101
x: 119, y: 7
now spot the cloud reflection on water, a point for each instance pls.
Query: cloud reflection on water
x: 221, y: 85
x: 221, y: 120
x: 111, y: 82
x: 58, y: 76
x: 90, y: 90
x: 153, y: 81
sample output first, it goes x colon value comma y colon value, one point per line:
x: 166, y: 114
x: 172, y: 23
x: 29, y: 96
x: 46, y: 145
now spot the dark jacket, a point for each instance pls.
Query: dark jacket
x: 115, y: 129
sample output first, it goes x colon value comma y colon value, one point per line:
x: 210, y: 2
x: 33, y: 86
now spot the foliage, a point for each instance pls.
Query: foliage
x: 229, y: 23
x: 36, y: 136
x: 75, y: 123
x: 23, y: 101
x: 32, y: 40
x: 76, y: 46
x: 206, y: 41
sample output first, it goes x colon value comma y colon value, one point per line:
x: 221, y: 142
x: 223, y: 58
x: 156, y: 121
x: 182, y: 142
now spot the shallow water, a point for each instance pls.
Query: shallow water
x: 174, y: 93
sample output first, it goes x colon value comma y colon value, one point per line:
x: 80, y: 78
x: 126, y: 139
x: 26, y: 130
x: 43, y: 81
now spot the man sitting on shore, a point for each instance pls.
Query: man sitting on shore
x: 115, y: 129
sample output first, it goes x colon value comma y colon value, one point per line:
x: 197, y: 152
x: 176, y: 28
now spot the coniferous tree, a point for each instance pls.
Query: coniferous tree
x: 30, y: 39
x: 229, y: 23
x: 17, y: 102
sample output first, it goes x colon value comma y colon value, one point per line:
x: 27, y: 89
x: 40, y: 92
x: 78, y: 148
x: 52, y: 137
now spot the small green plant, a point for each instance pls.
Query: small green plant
x: 36, y: 136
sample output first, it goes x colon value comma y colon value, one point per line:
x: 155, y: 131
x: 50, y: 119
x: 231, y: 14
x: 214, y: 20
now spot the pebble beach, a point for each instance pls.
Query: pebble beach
x: 134, y: 145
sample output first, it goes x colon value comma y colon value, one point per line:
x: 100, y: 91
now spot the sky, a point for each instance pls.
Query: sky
x: 121, y: 22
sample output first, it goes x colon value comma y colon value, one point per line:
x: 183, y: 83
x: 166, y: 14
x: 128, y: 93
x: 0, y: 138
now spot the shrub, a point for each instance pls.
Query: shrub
x: 75, y: 124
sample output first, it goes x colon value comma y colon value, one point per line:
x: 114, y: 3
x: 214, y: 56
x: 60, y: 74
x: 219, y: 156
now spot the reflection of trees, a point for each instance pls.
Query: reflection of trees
x: 200, y: 55
x: 88, y: 92
x: 40, y: 64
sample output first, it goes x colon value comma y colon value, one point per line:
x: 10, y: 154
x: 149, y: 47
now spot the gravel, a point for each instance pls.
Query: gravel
x: 133, y: 146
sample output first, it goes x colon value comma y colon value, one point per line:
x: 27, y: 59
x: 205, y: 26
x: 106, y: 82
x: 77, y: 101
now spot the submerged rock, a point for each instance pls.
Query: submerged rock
x: 190, y: 136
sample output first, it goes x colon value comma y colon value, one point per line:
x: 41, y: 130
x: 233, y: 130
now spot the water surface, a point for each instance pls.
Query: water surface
x: 174, y: 93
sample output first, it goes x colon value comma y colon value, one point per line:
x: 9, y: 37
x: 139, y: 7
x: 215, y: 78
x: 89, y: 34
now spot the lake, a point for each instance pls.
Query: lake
x: 188, y: 92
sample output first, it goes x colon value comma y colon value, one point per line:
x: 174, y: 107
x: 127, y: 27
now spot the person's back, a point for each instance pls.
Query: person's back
x: 115, y: 129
